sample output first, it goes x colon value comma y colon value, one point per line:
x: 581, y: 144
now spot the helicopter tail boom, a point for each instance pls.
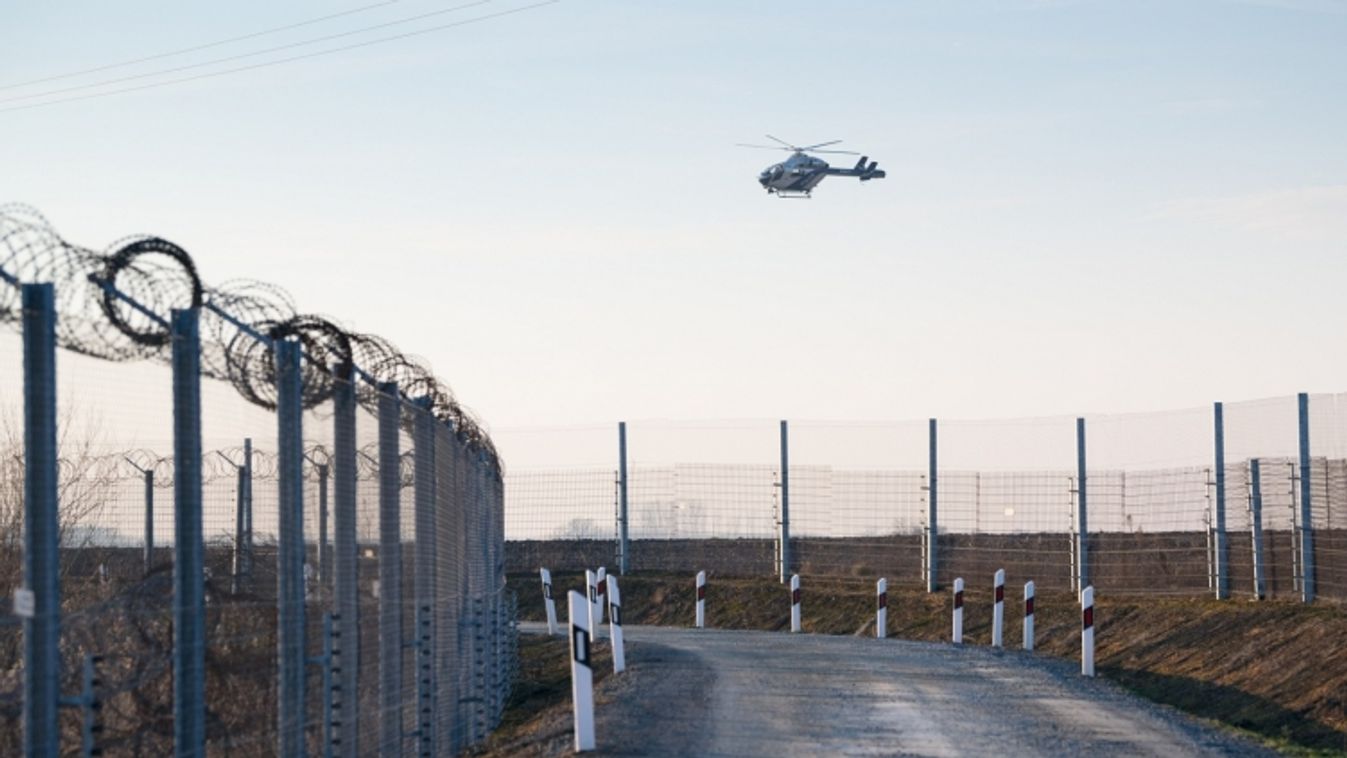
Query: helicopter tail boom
x: 861, y: 170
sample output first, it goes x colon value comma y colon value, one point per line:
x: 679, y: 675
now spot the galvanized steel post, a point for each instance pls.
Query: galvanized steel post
x: 1082, y: 510
x: 785, y: 503
x: 189, y: 602
x: 1256, y: 526
x: 346, y: 647
x: 1306, y: 513
x: 1222, y: 551
x: 390, y: 573
x: 324, y: 552
x: 41, y: 629
x: 247, y: 507
x: 932, y: 512
x: 149, y: 519
x: 623, y: 546
x: 290, y: 551
x: 240, y: 520
x: 424, y: 578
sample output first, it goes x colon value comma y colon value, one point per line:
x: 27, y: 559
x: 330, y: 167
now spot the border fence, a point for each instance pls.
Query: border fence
x: 289, y: 542
x: 1239, y: 499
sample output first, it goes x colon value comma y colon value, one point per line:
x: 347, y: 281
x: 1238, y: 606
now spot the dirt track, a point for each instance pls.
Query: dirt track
x: 728, y: 693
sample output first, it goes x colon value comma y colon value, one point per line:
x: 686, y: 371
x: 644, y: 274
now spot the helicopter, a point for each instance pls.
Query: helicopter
x: 800, y: 173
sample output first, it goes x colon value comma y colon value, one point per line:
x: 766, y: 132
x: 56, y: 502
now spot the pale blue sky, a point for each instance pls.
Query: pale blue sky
x: 1090, y: 207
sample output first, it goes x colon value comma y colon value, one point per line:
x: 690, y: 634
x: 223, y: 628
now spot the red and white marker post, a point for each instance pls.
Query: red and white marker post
x: 615, y: 625
x: 1029, y: 615
x: 701, y: 599
x: 582, y: 673
x: 795, y: 602
x: 601, y: 587
x: 548, y: 601
x: 1087, y: 631
x: 998, y: 607
x: 882, y: 609
x: 958, y: 611
x: 592, y: 588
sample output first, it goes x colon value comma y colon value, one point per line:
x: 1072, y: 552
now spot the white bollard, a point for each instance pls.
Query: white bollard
x: 701, y: 599
x: 795, y: 602
x: 1029, y: 615
x: 601, y: 587
x: 999, y: 607
x: 882, y: 609
x: 582, y: 673
x: 548, y: 601
x: 958, y: 611
x: 615, y: 625
x: 1087, y: 631
x: 592, y: 588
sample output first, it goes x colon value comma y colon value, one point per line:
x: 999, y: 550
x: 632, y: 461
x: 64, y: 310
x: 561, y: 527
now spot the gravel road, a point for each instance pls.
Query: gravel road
x: 728, y: 693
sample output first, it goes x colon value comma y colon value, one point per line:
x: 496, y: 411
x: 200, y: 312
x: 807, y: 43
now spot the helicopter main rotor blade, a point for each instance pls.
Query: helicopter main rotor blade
x: 837, y: 152
x: 821, y: 144
x: 764, y: 147
x: 778, y: 139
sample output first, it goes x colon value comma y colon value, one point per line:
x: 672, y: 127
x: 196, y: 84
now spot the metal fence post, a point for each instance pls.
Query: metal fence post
x: 623, y: 546
x: 1256, y: 527
x: 41, y: 629
x: 932, y: 512
x: 1082, y: 510
x: 149, y: 519
x: 1306, y: 522
x: 248, y: 507
x: 448, y: 562
x: 240, y: 520
x: 346, y: 656
x: 785, y: 503
x: 390, y: 573
x: 324, y: 564
x: 290, y: 551
x: 189, y: 602
x: 424, y: 579
x: 1221, y: 546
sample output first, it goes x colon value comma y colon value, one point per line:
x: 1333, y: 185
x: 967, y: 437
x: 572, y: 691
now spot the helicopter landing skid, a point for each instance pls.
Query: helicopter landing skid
x: 790, y: 194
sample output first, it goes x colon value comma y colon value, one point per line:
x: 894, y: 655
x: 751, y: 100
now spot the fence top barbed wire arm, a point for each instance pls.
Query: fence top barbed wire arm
x: 112, y: 305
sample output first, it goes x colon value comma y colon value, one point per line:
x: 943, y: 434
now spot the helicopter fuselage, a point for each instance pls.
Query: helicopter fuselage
x: 797, y: 175
x: 800, y: 173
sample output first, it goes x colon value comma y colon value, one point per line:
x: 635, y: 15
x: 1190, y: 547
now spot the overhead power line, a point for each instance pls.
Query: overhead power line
x: 197, y: 48
x: 291, y: 59
x: 242, y: 56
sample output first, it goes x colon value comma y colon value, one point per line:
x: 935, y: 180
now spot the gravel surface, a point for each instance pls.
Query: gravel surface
x: 733, y: 693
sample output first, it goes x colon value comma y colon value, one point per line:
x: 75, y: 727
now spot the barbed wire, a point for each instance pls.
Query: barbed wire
x: 116, y: 306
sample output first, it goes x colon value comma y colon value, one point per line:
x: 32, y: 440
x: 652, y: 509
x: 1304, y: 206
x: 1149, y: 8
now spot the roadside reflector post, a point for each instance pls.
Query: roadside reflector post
x: 582, y: 672
x: 1087, y: 631
x: 701, y: 599
x: 882, y: 609
x: 615, y: 625
x: 958, y: 611
x: 601, y: 588
x: 795, y: 602
x: 1029, y: 615
x: 998, y: 607
x: 592, y: 587
x: 548, y: 601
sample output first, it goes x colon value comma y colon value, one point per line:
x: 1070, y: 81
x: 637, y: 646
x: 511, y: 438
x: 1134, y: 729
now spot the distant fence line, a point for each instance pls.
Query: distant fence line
x: 1266, y: 515
x: 337, y: 589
